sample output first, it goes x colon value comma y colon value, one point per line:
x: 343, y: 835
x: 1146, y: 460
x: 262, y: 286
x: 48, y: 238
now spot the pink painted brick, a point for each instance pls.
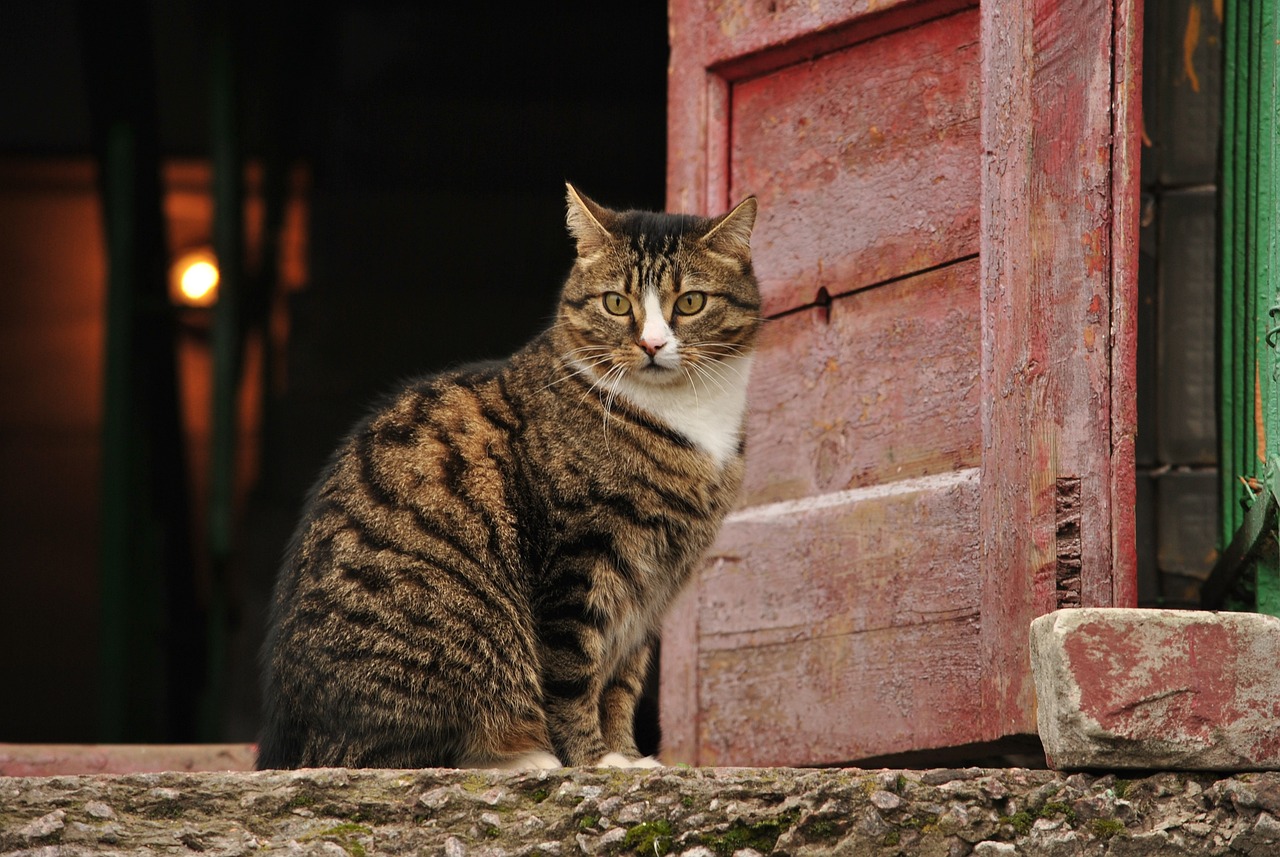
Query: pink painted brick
x: 1173, y: 689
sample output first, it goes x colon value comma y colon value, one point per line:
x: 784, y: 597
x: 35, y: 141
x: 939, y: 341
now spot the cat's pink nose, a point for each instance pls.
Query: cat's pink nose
x: 652, y: 345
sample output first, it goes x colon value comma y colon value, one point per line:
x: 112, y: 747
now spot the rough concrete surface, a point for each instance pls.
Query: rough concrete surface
x: 691, y: 812
x: 1158, y: 689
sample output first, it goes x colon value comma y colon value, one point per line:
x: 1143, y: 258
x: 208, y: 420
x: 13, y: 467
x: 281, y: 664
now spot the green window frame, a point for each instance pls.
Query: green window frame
x: 1247, y: 575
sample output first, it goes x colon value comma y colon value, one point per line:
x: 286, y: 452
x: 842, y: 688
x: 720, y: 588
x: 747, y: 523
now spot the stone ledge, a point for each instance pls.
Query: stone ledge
x: 691, y: 812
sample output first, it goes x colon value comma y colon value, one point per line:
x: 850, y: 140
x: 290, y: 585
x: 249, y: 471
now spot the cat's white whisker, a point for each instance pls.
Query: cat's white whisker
x: 727, y: 347
x: 720, y: 367
x: 692, y: 385
x: 580, y: 370
x: 707, y: 376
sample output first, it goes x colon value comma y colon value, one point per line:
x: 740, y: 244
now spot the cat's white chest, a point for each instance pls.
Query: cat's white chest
x: 708, y: 410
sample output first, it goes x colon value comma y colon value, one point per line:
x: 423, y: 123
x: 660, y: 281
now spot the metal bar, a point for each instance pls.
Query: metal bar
x: 1227, y: 329
x: 118, y: 450
x: 1228, y: 584
x: 227, y: 342
x: 1255, y: 307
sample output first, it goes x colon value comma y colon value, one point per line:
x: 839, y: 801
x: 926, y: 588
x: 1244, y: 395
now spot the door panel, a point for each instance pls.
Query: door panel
x: 881, y: 385
x: 941, y: 425
x: 880, y: 143
x: 805, y: 654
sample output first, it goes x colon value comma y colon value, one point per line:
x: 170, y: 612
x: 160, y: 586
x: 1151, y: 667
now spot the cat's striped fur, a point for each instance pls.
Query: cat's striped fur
x: 479, y: 575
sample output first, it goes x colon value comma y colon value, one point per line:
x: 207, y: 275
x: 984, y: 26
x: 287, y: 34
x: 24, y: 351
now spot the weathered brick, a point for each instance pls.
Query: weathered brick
x: 1149, y: 689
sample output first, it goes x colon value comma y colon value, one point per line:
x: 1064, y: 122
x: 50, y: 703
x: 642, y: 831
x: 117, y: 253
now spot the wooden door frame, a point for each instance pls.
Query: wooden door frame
x: 1059, y: 227
x: 1059, y: 271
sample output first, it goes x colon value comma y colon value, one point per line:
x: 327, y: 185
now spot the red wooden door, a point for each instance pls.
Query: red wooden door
x: 942, y: 418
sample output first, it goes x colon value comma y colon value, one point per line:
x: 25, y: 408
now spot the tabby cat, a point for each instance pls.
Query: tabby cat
x: 480, y: 573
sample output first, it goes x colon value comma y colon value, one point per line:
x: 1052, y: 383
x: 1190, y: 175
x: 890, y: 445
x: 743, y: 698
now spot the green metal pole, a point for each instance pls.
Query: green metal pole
x: 118, y: 449
x: 228, y: 197
x: 1227, y: 324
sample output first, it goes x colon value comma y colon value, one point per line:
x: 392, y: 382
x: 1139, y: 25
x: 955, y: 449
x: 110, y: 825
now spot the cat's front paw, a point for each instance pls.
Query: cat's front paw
x: 537, y: 760
x: 617, y: 760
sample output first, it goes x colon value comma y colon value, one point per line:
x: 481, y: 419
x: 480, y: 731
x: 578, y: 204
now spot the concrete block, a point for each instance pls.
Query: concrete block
x: 1157, y: 689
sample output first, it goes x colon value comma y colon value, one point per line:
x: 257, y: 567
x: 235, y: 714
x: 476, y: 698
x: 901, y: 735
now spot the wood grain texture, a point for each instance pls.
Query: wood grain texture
x: 882, y: 385
x: 1047, y: 301
x: 1126, y: 204
x: 747, y: 37
x: 825, y: 636
x: 880, y: 146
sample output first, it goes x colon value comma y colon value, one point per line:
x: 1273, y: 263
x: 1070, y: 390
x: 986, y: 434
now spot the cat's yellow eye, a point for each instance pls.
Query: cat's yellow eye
x: 616, y: 304
x: 691, y: 302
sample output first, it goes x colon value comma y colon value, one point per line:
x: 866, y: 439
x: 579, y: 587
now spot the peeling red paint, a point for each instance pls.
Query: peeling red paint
x: 1151, y: 682
x: 1095, y: 251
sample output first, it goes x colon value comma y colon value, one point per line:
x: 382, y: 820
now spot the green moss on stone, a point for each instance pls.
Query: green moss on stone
x: 474, y: 784
x: 649, y: 837
x: 1020, y: 821
x: 1056, y: 808
x: 1105, y: 828
x: 345, y: 837
x: 302, y: 800
x: 759, y: 835
x: 169, y: 809
x: 820, y: 828
x: 921, y: 822
x: 342, y: 830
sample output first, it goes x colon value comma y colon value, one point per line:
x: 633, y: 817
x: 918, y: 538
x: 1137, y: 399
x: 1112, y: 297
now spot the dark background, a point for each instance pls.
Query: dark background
x: 436, y: 138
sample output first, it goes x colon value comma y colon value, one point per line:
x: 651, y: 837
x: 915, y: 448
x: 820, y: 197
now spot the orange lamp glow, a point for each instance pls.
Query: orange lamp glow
x: 193, y: 279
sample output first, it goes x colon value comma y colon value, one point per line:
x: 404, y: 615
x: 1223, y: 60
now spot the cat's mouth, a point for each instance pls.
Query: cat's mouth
x: 659, y: 363
x: 657, y: 369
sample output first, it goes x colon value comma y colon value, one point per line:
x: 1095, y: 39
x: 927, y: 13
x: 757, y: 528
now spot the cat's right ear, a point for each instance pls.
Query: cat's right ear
x: 588, y: 222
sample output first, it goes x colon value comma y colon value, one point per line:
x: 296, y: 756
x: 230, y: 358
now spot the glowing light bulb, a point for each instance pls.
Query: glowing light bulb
x: 193, y: 279
x: 198, y: 280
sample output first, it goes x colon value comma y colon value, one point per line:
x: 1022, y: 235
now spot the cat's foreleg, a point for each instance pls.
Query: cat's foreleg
x: 579, y: 697
x: 571, y: 689
x: 618, y: 706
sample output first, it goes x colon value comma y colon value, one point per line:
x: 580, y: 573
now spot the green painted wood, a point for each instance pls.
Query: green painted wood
x: 1248, y: 574
x: 1267, y: 236
x: 1232, y: 260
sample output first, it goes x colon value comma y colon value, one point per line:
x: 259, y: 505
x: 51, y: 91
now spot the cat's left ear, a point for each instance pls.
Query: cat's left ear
x: 730, y: 233
x: 588, y: 222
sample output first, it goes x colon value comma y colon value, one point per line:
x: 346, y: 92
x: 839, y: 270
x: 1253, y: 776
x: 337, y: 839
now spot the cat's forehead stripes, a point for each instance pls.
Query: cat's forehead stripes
x: 651, y: 267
